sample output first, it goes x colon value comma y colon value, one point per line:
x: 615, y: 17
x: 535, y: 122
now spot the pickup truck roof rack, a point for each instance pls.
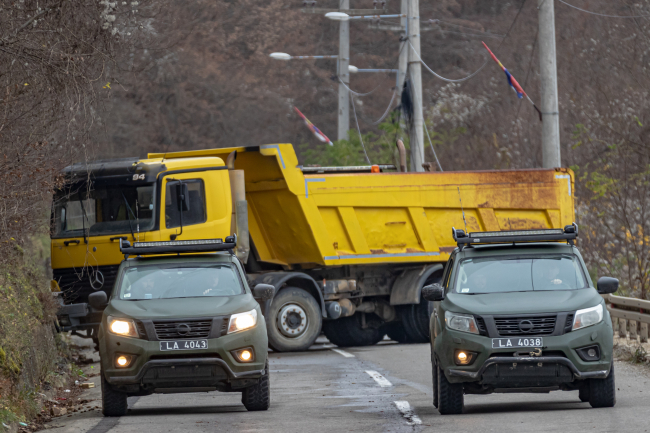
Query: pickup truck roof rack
x: 177, y: 247
x: 568, y: 233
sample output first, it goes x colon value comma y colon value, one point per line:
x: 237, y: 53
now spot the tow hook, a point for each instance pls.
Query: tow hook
x: 536, y: 352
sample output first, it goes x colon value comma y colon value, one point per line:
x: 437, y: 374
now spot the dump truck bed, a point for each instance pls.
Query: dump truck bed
x: 303, y: 220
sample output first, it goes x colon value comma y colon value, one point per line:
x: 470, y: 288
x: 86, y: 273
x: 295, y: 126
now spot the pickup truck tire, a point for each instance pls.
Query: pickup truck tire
x: 602, y: 392
x: 434, y: 374
x: 349, y: 332
x: 258, y: 397
x: 583, y: 392
x: 293, y: 309
x: 113, y: 402
x: 450, y: 395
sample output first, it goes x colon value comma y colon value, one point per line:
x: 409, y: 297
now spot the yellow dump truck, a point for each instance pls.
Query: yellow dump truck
x: 347, y: 249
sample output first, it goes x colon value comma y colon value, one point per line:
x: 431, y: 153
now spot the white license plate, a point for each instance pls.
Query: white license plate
x: 184, y: 345
x: 506, y: 343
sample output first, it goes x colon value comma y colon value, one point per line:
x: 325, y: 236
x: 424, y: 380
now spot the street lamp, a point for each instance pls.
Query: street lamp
x: 340, y: 16
x: 285, y: 56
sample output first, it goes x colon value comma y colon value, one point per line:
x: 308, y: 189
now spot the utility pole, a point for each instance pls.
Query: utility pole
x: 344, y: 74
x: 416, y: 135
x: 403, y: 50
x: 548, y: 71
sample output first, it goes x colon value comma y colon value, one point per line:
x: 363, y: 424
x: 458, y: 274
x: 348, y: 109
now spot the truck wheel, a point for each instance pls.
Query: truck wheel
x: 434, y: 374
x: 396, y: 332
x: 602, y: 392
x: 294, y: 320
x: 113, y: 402
x: 349, y: 331
x: 583, y: 392
x: 258, y: 397
x: 450, y: 395
x: 415, y: 320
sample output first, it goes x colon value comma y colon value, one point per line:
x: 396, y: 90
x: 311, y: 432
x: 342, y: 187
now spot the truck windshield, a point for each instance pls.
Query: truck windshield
x: 106, y: 210
x: 502, y: 274
x: 166, y: 282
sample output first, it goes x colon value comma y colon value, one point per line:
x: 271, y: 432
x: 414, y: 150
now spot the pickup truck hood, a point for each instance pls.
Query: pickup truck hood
x: 522, y: 302
x: 181, y: 307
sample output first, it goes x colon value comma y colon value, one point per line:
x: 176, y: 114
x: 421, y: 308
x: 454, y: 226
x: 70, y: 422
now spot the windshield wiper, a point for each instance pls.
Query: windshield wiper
x: 128, y: 213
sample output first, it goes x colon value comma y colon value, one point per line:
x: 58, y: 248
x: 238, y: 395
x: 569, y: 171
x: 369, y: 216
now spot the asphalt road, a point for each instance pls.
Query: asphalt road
x: 383, y: 388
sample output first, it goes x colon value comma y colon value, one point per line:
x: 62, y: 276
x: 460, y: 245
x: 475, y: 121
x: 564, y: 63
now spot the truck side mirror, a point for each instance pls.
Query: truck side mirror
x: 433, y: 293
x: 98, y: 300
x: 607, y: 285
x: 183, y: 197
x: 263, y: 292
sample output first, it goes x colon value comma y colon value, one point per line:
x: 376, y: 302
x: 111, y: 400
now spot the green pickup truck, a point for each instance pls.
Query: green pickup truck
x: 182, y: 323
x: 517, y: 312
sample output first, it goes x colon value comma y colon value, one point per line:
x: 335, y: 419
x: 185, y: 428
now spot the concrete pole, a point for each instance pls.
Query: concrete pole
x: 548, y: 72
x: 404, y: 50
x: 416, y: 135
x: 344, y: 74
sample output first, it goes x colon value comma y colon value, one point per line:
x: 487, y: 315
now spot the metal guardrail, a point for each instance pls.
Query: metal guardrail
x: 630, y: 316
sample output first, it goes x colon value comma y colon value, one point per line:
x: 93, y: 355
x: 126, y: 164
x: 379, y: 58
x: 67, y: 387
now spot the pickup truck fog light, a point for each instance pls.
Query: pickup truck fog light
x: 589, y: 353
x: 463, y: 357
x: 244, y: 355
x: 123, y: 361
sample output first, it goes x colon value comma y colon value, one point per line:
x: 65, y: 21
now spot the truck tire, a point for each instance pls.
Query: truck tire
x: 396, y: 332
x: 258, y: 397
x: 415, y: 320
x: 450, y: 395
x: 348, y: 331
x: 294, y: 320
x: 113, y: 402
x: 602, y: 392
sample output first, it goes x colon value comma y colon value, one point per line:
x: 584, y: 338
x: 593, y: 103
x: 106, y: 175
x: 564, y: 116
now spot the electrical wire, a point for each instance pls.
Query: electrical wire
x: 357, y: 93
x: 603, y: 15
x: 359, y: 131
x: 476, y: 32
x: 440, y: 76
x: 383, y: 116
x: 432, y: 149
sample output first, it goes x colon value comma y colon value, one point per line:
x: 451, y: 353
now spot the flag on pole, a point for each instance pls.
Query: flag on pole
x: 317, y: 132
x: 512, y: 81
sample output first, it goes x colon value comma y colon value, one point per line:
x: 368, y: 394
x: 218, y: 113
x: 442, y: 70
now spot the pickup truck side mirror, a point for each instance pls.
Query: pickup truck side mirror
x: 433, y: 293
x: 263, y: 292
x: 607, y: 285
x: 98, y: 300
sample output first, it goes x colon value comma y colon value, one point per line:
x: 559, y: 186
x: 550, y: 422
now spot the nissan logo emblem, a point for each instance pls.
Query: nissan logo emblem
x: 96, y: 279
x: 525, y: 326
x: 183, y: 328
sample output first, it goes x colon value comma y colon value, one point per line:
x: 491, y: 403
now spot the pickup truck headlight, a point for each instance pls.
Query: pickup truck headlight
x: 588, y: 317
x: 461, y: 322
x: 125, y: 327
x: 241, y: 321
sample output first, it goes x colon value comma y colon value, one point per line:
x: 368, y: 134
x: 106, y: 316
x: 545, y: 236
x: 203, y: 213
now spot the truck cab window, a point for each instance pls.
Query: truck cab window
x: 196, y: 213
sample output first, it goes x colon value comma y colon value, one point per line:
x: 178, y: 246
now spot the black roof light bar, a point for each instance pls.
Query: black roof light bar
x: 177, y: 247
x: 568, y: 233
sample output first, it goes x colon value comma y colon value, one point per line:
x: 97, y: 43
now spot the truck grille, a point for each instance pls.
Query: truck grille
x: 182, y: 329
x: 539, y: 325
x: 75, y: 282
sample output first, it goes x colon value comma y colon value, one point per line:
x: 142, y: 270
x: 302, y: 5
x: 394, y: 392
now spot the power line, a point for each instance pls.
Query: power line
x: 359, y: 131
x: 603, y: 15
x: 357, y: 93
x: 443, y: 78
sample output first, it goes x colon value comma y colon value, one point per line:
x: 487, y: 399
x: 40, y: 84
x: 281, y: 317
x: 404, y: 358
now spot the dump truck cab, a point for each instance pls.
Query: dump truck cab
x: 516, y: 311
x: 107, y: 201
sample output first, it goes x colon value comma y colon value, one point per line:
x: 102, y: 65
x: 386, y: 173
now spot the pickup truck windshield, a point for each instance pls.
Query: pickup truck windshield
x: 167, y: 282
x: 504, y: 274
x: 106, y: 210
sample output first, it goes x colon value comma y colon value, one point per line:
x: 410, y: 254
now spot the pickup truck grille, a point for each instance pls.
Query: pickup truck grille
x: 182, y: 329
x: 514, y: 326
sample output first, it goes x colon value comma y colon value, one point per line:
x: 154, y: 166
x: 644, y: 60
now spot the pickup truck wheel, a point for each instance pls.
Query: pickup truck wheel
x: 349, y: 331
x: 450, y: 395
x: 113, y: 402
x: 294, y: 320
x: 434, y: 374
x: 602, y: 392
x: 258, y: 397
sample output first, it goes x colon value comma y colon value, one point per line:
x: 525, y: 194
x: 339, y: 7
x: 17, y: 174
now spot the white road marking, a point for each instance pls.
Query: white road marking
x: 407, y: 412
x: 381, y: 380
x: 343, y: 352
